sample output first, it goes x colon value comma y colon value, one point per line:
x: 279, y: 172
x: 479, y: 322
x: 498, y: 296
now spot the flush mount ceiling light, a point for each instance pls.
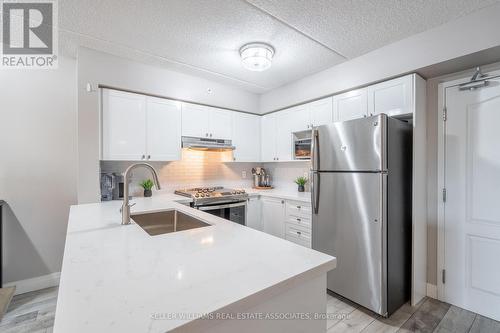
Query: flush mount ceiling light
x: 256, y: 56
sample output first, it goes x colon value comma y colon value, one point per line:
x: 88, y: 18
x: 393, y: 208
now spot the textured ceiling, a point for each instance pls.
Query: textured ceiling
x: 203, y: 37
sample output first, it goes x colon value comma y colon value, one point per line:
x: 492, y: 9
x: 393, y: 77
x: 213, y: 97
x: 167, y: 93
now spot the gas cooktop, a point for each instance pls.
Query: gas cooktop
x: 212, y: 195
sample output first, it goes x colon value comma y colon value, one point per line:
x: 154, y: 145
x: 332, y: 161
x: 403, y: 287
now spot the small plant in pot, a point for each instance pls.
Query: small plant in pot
x: 301, y: 182
x: 147, y: 185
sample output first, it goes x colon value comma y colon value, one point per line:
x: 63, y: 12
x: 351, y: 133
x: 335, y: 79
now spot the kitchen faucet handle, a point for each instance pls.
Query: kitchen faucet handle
x: 129, y: 205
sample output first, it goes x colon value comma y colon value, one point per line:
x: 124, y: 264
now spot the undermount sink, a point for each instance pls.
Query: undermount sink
x: 166, y: 222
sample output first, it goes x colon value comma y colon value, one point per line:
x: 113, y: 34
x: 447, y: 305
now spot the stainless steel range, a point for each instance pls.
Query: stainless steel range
x: 227, y: 203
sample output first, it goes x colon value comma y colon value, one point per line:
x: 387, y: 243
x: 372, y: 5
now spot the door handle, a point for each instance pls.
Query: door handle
x: 314, y: 150
x: 315, y: 191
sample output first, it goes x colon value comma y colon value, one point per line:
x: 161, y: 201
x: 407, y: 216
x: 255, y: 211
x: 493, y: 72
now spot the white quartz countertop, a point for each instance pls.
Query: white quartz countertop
x: 281, y: 194
x: 118, y: 278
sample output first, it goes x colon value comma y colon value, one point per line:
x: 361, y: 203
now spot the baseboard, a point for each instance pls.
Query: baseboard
x: 432, y: 290
x: 41, y: 282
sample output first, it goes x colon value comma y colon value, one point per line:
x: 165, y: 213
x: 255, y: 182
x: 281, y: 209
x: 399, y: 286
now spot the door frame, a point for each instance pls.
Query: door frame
x: 441, y: 173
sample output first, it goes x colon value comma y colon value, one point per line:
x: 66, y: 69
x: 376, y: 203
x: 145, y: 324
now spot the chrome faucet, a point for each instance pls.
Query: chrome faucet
x: 125, y: 210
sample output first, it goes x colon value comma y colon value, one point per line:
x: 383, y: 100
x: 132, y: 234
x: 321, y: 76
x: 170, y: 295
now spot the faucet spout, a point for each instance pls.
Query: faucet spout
x: 126, y: 181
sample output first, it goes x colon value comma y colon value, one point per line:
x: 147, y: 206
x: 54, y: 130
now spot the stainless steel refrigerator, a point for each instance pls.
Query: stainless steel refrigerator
x: 361, y: 197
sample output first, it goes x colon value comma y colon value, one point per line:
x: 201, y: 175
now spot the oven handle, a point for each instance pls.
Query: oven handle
x: 238, y: 204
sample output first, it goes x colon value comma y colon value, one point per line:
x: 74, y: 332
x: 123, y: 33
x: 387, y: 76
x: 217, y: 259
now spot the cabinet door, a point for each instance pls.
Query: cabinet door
x: 285, y: 123
x: 273, y: 216
x: 123, y: 126
x: 268, y: 138
x: 321, y: 111
x: 220, y: 124
x: 163, y: 135
x: 298, y: 118
x: 254, y: 213
x: 246, y: 137
x: 394, y: 97
x: 350, y: 105
x: 195, y: 120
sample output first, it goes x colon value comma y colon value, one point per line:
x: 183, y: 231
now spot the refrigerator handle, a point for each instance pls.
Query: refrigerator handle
x: 315, y: 191
x: 314, y: 150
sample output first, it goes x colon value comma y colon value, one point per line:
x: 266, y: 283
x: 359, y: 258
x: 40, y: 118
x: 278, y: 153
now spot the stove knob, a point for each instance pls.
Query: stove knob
x: 197, y: 195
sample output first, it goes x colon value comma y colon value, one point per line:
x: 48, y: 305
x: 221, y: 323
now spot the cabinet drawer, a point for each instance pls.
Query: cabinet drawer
x: 298, y: 209
x: 301, y: 221
x: 298, y: 239
x: 302, y: 234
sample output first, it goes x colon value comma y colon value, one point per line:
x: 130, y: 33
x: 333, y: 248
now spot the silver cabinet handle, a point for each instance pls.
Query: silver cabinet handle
x: 143, y: 157
x: 149, y: 156
x: 299, y: 220
x: 298, y: 207
x: 282, y: 201
x: 299, y: 233
x: 210, y: 134
x: 206, y: 134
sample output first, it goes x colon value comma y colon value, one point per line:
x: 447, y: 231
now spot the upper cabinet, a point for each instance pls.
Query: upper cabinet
x: 350, y: 105
x: 320, y: 112
x: 206, y: 122
x: 268, y: 137
x: 163, y: 137
x: 137, y: 127
x: 220, y: 123
x: 394, y: 97
x: 195, y: 121
x: 246, y: 137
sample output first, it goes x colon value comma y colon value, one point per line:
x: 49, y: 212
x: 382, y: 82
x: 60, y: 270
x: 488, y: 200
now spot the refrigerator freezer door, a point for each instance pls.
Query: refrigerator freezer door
x: 349, y: 223
x: 354, y: 145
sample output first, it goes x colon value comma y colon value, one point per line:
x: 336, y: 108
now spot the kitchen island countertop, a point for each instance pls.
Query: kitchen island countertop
x: 117, y: 278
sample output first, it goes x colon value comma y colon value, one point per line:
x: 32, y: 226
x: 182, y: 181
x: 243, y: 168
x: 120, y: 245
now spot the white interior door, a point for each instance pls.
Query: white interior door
x: 472, y: 208
x: 163, y: 129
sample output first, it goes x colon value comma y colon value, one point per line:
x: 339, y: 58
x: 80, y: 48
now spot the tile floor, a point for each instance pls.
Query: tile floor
x: 34, y: 313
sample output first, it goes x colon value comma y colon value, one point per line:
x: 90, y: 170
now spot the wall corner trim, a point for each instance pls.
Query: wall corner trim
x: 37, y: 283
x: 432, y: 290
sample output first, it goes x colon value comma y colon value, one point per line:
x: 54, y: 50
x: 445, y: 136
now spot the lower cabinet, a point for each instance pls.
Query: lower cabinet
x: 254, y: 213
x: 273, y: 216
x: 286, y: 219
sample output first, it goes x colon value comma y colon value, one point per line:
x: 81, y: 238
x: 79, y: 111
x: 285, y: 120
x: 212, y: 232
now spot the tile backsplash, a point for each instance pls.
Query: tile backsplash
x: 284, y: 173
x: 206, y: 168
x: 196, y: 168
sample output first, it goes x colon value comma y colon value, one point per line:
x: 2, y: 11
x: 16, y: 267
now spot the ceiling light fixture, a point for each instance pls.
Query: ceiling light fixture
x: 256, y: 56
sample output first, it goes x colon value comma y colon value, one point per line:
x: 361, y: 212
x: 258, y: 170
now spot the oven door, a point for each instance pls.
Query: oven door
x: 235, y: 212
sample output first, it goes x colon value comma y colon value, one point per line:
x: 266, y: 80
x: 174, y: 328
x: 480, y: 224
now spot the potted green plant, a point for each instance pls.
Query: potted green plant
x: 147, y: 185
x: 301, y: 182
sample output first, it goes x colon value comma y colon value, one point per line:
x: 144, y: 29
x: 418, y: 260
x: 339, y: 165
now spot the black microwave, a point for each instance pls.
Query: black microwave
x: 302, y: 145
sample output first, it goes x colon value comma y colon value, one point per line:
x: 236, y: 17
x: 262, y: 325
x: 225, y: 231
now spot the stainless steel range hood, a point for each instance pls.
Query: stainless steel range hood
x: 207, y: 144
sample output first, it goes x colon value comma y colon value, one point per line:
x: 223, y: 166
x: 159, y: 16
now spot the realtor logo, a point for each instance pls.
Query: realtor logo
x: 29, y: 34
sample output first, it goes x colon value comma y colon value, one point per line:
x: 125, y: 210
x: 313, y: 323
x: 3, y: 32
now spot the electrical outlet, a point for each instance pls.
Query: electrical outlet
x: 243, y: 174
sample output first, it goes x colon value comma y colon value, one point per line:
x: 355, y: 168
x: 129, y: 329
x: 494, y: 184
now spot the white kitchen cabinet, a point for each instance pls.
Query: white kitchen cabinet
x: 220, y: 122
x: 393, y: 97
x: 163, y: 129
x: 254, y: 213
x: 268, y: 137
x: 321, y: 112
x: 286, y: 124
x: 195, y: 120
x: 273, y: 216
x: 246, y: 137
x: 297, y: 118
x: 123, y: 125
x: 350, y: 105
x: 206, y: 122
x: 137, y: 127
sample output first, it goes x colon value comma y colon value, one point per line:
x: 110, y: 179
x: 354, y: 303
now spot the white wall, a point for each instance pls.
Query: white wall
x: 466, y: 35
x: 38, y: 164
x: 101, y: 68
